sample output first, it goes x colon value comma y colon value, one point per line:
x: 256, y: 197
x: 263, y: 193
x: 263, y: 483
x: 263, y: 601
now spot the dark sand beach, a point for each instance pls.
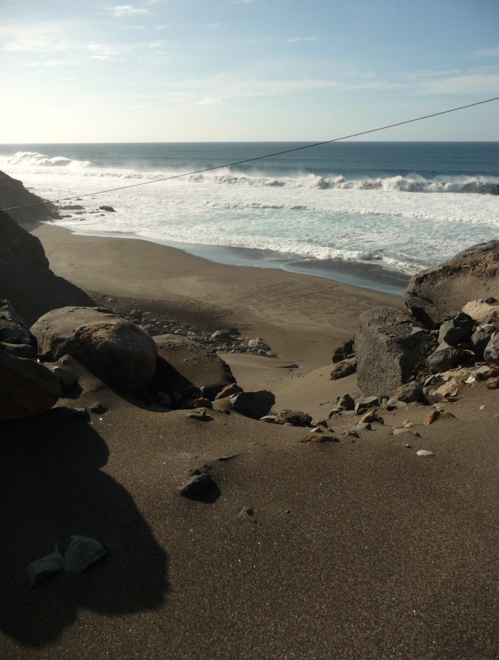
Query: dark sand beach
x: 355, y: 549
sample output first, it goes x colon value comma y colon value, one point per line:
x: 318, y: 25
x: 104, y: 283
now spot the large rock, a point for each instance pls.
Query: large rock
x: 112, y: 348
x: 344, y: 368
x: 491, y: 353
x: 15, y: 338
x: 25, y: 277
x: 446, y: 357
x: 13, y: 193
x: 185, y: 365
x: 26, y: 388
x: 388, y: 351
x: 439, y: 293
x: 253, y: 404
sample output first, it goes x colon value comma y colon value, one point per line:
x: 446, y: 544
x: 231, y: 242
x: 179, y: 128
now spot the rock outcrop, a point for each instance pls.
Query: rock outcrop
x: 13, y: 193
x: 437, y: 294
x: 112, y: 348
x: 25, y: 277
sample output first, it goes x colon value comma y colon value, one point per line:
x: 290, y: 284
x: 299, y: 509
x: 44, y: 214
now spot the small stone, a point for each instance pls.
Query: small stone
x: 424, y: 452
x: 270, y: 419
x: 319, y: 438
x: 351, y: 432
x: 203, y: 403
x: 394, y: 404
x: 372, y: 416
x: 403, y: 429
x: 229, y: 390
x: 408, y: 446
x: 362, y: 426
x: 248, y: 514
x: 293, y: 417
x: 493, y: 384
x: 201, y: 415
x: 431, y: 417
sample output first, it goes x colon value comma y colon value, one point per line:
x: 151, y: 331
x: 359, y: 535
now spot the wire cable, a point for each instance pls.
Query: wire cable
x: 250, y: 160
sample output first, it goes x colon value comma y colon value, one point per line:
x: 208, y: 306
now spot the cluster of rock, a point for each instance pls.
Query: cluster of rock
x: 223, y: 341
x: 168, y: 370
x: 451, y: 323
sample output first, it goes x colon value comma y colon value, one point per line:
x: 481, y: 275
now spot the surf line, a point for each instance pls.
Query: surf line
x: 250, y: 160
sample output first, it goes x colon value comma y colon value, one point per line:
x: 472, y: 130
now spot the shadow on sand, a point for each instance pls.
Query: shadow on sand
x: 51, y: 487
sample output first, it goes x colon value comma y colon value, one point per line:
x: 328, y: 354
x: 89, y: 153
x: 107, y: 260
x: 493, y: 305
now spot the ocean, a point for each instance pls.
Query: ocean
x: 366, y: 213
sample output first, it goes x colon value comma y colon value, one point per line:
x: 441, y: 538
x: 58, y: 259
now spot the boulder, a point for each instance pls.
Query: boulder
x: 437, y: 294
x: 479, y: 340
x: 480, y: 309
x: 185, y: 365
x: 26, y: 388
x: 344, y: 368
x: 491, y: 353
x: 446, y: 357
x: 387, y: 351
x: 410, y: 392
x: 15, y: 338
x: 455, y: 330
x: 115, y: 350
x: 253, y: 404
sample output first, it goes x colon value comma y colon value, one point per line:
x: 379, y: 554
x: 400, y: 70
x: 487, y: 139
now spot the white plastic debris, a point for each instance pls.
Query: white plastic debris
x: 41, y: 568
x: 82, y: 553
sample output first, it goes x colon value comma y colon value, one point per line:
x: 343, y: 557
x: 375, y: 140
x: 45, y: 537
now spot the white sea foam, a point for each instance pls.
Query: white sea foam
x: 381, y: 220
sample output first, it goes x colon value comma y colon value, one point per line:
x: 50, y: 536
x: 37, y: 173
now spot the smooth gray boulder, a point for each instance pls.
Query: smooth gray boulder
x: 491, y: 353
x: 26, y: 388
x: 437, y: 294
x: 388, y: 354
x: 253, y: 404
x: 115, y: 350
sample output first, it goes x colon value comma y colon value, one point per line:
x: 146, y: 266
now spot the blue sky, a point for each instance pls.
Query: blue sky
x: 222, y: 70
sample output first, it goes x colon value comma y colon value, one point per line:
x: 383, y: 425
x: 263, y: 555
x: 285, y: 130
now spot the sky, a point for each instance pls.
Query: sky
x: 245, y: 70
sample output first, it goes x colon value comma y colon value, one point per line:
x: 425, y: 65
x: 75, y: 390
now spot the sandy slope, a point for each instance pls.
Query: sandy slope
x: 356, y: 549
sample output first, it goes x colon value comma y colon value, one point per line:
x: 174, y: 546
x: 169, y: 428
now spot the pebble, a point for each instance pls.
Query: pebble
x: 425, y: 452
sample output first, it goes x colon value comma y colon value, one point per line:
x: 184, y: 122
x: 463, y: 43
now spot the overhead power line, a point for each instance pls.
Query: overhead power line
x: 250, y: 160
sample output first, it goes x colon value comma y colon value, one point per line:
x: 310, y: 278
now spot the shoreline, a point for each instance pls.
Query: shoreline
x: 368, y: 275
x: 301, y: 317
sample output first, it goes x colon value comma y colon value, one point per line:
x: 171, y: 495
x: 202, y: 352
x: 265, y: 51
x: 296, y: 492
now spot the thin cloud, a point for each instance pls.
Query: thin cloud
x: 213, y: 26
x: 296, y: 39
x: 132, y: 27
x: 162, y: 27
x: 473, y: 83
x: 487, y: 52
x: 34, y: 38
x: 209, y: 101
x: 127, y: 10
